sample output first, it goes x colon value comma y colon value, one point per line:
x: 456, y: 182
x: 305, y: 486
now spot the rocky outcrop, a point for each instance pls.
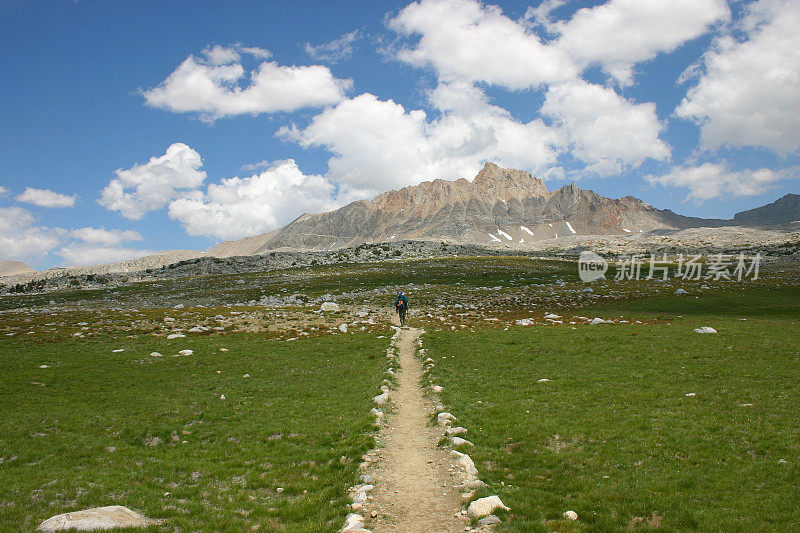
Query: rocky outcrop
x: 784, y: 210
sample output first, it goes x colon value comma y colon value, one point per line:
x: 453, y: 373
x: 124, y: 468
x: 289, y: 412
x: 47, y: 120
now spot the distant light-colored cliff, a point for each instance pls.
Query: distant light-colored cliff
x: 10, y: 268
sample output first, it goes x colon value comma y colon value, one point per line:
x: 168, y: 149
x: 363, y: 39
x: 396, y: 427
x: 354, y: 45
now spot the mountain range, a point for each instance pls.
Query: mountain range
x: 500, y: 206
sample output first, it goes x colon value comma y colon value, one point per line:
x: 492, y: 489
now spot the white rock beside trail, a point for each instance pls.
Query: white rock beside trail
x: 485, y: 506
x: 112, y: 516
x: 465, y: 462
x: 472, y: 484
x: 343, y: 328
x: 458, y: 441
x: 175, y: 336
x: 680, y: 291
x: 381, y: 399
x: 329, y: 306
x: 445, y: 419
x: 596, y: 321
x: 571, y: 515
x: 352, y: 522
x: 455, y: 431
x: 705, y: 329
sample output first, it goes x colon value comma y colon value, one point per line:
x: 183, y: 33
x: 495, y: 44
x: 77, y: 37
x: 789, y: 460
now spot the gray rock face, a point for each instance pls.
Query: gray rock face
x: 782, y: 211
x: 98, y: 518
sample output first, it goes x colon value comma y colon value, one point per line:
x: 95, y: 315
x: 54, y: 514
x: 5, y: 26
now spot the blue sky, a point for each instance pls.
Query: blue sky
x: 136, y: 127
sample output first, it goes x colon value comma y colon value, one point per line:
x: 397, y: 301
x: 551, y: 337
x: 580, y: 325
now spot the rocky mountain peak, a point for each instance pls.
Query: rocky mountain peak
x: 492, y: 183
x: 492, y: 176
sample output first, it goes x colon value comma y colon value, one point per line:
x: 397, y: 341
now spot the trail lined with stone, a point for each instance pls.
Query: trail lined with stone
x: 413, y: 486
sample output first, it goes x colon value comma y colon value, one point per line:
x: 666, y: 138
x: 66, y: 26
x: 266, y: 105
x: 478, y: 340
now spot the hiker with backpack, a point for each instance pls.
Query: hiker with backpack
x: 401, y: 306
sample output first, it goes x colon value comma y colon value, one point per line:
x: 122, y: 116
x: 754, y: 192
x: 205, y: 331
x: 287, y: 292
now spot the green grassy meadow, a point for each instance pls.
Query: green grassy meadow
x: 641, y: 425
x: 100, y: 427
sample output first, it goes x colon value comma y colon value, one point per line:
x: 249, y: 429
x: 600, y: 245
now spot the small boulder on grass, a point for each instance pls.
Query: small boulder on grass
x: 485, y: 506
x: 381, y: 399
x: 445, y: 419
x: 705, y: 329
x: 97, y: 518
x: 353, y: 523
x: 458, y: 441
x: 465, y: 462
x: 472, y: 484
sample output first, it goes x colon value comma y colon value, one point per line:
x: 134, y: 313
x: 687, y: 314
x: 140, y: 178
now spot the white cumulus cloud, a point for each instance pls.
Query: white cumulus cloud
x: 217, y: 85
x: 105, y: 237
x: 152, y: 185
x: 379, y: 145
x: 238, y: 207
x: 46, y: 198
x: 94, y: 246
x: 603, y: 129
x: 87, y: 254
x: 748, y: 93
x: 21, y: 238
x: 712, y: 180
x: 466, y: 40
x: 621, y: 33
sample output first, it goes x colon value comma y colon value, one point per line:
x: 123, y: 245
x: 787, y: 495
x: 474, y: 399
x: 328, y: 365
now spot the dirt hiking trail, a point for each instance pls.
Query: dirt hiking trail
x: 413, y: 486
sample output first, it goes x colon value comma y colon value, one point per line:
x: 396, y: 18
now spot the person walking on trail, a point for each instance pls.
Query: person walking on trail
x: 401, y: 306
